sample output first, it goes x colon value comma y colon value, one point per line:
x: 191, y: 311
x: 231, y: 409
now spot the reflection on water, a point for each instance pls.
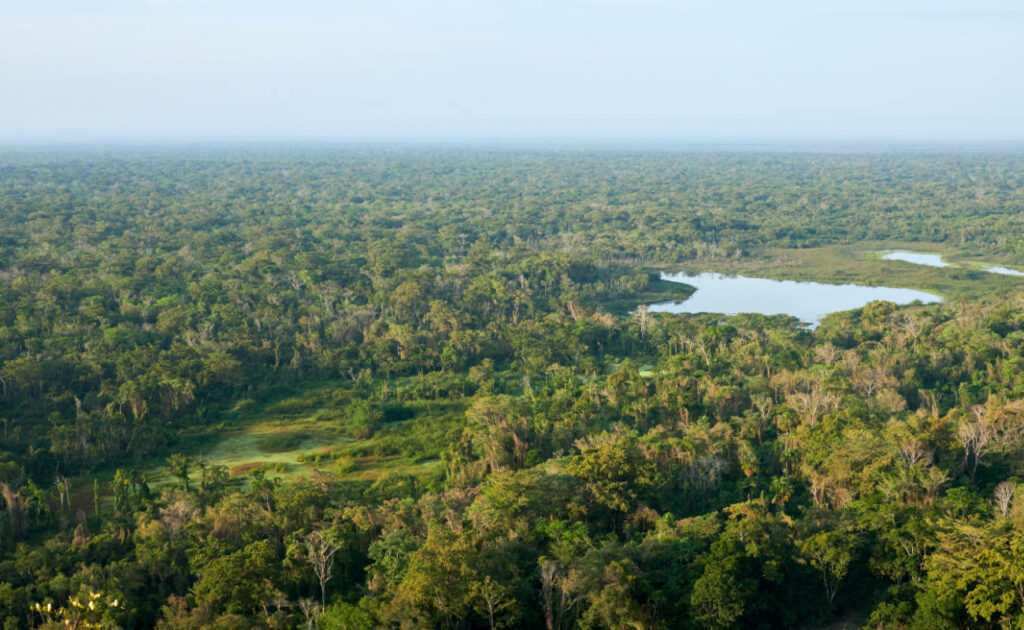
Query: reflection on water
x: 1006, y: 271
x: 807, y: 301
x: 935, y: 260
x: 932, y: 260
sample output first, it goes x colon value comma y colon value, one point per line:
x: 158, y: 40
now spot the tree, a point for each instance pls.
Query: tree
x: 239, y: 582
x: 178, y: 465
x: 89, y: 609
x: 830, y: 552
x: 1003, y: 496
x: 501, y: 431
x: 613, y: 471
x: 121, y: 485
x: 96, y: 500
x: 983, y: 569
x: 720, y: 595
x: 560, y: 593
x: 63, y: 487
x: 321, y: 546
x: 493, y: 600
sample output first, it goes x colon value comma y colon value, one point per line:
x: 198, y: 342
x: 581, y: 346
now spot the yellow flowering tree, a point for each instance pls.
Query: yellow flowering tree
x: 81, y: 611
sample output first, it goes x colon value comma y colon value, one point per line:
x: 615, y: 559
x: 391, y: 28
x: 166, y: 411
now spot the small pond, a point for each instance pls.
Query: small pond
x: 807, y: 301
x: 1006, y: 271
x: 932, y: 260
x: 935, y: 260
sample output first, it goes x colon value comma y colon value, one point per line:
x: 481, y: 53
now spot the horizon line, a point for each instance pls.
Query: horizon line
x: 511, y: 144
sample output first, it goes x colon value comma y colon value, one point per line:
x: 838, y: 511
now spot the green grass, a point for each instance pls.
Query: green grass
x: 314, y: 427
x: 283, y: 442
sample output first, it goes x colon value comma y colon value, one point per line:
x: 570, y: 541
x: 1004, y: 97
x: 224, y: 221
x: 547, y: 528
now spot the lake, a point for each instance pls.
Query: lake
x: 807, y: 301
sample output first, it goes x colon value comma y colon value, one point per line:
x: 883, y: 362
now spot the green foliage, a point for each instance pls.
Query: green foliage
x: 283, y: 441
x: 240, y: 582
x: 344, y: 616
x: 433, y: 356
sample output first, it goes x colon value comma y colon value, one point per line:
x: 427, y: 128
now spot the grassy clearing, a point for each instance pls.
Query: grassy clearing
x: 273, y: 440
x: 324, y: 427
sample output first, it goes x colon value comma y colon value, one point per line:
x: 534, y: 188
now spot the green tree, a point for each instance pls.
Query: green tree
x: 178, y: 465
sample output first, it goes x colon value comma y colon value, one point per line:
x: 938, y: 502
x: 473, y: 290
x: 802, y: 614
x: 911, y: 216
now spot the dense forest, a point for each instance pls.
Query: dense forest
x: 513, y: 444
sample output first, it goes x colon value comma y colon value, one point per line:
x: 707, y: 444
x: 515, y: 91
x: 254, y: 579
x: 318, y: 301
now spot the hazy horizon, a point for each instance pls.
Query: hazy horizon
x: 564, y: 72
x: 823, y: 146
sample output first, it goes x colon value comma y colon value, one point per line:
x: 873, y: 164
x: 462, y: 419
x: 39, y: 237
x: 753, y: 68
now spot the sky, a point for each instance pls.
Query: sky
x: 659, y: 71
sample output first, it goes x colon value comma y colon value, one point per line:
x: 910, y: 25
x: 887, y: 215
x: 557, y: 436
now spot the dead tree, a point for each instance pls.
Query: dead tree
x: 321, y: 547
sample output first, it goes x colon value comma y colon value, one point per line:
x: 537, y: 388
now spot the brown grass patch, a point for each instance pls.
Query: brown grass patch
x: 243, y: 469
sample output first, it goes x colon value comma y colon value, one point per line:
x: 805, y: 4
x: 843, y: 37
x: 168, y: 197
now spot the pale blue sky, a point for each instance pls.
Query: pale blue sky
x: 511, y: 70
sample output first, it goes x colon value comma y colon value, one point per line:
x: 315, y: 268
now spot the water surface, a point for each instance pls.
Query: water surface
x: 935, y: 260
x: 807, y: 301
x: 1006, y: 271
x: 932, y: 260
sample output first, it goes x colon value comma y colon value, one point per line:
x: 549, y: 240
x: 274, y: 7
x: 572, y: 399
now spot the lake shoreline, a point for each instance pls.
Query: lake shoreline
x: 807, y: 301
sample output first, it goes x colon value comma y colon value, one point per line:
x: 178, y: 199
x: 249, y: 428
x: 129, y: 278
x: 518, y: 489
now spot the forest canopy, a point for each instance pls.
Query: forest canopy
x: 454, y: 417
